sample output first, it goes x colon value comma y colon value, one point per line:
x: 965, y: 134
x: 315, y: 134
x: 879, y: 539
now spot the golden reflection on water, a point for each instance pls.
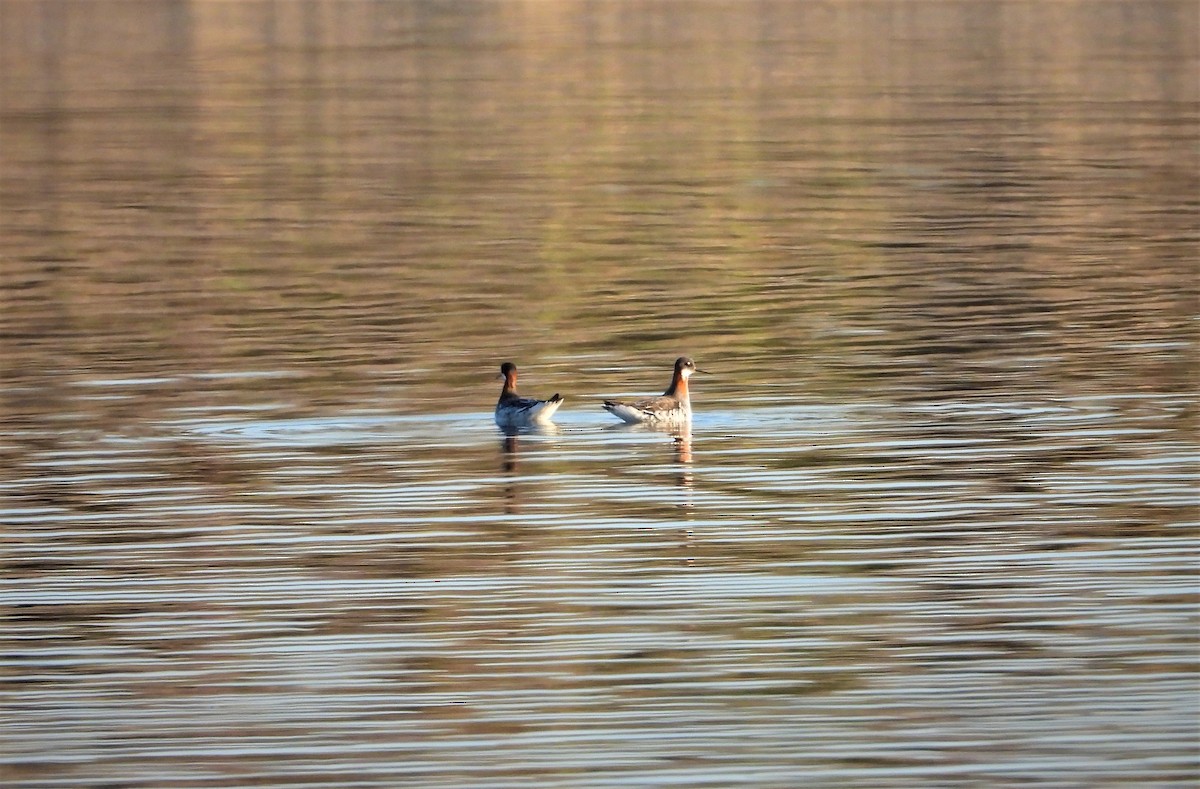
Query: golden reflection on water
x: 366, y: 199
x: 934, y: 521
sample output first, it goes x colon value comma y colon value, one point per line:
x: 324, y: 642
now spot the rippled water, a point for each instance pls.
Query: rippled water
x: 934, y: 523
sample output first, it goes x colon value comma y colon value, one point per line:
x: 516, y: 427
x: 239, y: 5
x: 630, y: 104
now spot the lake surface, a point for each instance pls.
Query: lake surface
x: 934, y: 524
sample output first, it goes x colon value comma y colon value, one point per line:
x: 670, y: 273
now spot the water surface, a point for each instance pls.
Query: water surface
x: 934, y: 523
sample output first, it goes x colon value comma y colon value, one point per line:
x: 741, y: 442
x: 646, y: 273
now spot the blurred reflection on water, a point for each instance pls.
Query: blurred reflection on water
x: 935, y: 522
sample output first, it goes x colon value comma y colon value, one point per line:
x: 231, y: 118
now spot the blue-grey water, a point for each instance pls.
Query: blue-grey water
x: 935, y: 522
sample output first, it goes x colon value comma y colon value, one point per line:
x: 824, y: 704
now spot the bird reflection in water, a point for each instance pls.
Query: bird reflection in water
x: 510, y: 451
x: 682, y: 443
x: 682, y: 439
x: 681, y: 450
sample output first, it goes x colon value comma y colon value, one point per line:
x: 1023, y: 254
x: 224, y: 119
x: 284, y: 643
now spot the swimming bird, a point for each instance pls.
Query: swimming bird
x: 512, y: 410
x: 673, y: 407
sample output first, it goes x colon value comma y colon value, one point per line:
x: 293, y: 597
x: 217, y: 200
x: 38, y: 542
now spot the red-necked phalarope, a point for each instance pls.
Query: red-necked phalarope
x: 673, y: 407
x: 512, y: 410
